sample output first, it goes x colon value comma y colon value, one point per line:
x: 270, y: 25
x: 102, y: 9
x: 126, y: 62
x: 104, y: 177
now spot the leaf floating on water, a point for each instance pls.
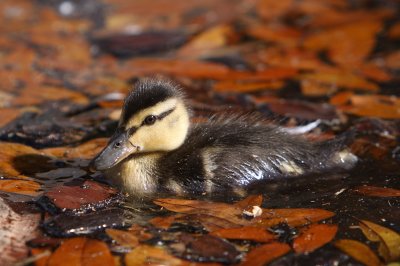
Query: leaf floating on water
x: 264, y: 254
x: 83, y: 252
x: 79, y: 197
x: 123, y: 238
x: 25, y: 187
x: 358, y: 251
x: 377, y: 191
x: 257, y: 234
x: 86, y: 150
x: 151, y: 256
x: 250, y: 201
x: 389, y: 240
x: 198, y: 249
x: 314, y: 237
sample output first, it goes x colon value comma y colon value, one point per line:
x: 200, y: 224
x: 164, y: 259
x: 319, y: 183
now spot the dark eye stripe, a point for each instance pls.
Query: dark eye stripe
x: 161, y: 116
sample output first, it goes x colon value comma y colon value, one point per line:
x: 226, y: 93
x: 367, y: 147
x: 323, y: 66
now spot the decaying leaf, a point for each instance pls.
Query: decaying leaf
x: 264, y: 254
x: 81, y: 251
x: 377, y: 191
x: 313, y: 237
x: 123, y: 238
x: 389, y: 240
x: 25, y: 187
x: 358, y: 251
x: 257, y: 234
x: 152, y: 256
x: 86, y: 150
x: 15, y: 230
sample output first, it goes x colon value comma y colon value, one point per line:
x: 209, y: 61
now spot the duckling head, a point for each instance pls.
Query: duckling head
x: 154, y: 118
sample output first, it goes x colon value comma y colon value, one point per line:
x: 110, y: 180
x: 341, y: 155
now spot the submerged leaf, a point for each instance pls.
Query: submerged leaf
x: 313, y: 237
x: 389, y: 247
x: 264, y: 254
x: 83, y: 252
x: 257, y: 234
x: 25, y: 187
x: 377, y: 191
x: 358, y: 251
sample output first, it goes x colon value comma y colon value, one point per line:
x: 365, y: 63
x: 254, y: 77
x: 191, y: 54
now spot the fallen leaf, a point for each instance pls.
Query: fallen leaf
x: 314, y: 237
x: 389, y: 247
x: 246, y: 87
x: 81, y: 251
x: 257, y: 234
x: 316, y: 89
x: 7, y: 115
x: 394, y: 31
x: 151, y: 256
x: 78, y: 197
x: 15, y: 230
x: 393, y: 60
x: 41, y: 255
x: 25, y: 187
x: 264, y: 254
x: 358, y: 251
x: 377, y: 191
x: 215, y: 37
x: 123, y: 238
x: 286, y: 36
x: 270, y: 9
x: 249, y: 201
x: 348, y: 44
x: 232, y: 213
x: 86, y: 150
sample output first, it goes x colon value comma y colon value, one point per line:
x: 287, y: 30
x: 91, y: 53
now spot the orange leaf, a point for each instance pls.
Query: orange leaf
x: 394, y: 31
x: 275, y: 33
x: 293, y: 217
x: 246, y: 87
x: 313, y: 237
x: 257, y: 234
x: 393, y: 60
x: 81, y: 251
x: 151, y: 256
x: 250, y: 201
x: 202, y: 44
x: 86, y: 150
x: 270, y: 9
x: 358, y: 251
x: 42, y: 256
x: 389, y: 240
x: 347, y: 44
x: 123, y: 238
x: 7, y: 115
x: 378, y: 191
x: 264, y: 254
x: 26, y: 187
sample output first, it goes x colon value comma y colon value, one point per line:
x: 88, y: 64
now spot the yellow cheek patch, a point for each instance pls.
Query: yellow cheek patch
x: 157, y: 109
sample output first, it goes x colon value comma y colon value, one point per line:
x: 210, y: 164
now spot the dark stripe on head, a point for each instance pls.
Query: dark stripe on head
x: 147, y: 93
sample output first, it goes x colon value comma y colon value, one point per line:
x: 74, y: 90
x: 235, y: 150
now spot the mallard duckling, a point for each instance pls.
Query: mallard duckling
x: 156, y: 149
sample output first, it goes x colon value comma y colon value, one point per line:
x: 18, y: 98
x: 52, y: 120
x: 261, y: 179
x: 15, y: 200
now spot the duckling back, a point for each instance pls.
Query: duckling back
x: 230, y: 153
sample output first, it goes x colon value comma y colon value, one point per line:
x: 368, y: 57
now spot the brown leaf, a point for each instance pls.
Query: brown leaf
x: 246, y: 87
x: 389, y: 240
x: 257, y: 234
x: 42, y: 256
x: 287, y: 36
x: 81, y: 251
x: 314, y: 237
x: 293, y: 217
x: 358, y: 251
x: 8, y: 153
x: 264, y: 254
x: 164, y: 222
x: 315, y: 88
x: 151, y: 256
x: 249, y: 201
x: 188, y: 68
x: 25, y: 187
x: 123, y: 238
x: 15, y: 230
x: 215, y: 37
x: 394, y: 31
x: 336, y: 78
x: 86, y: 150
x: 270, y: 9
x: 347, y: 44
x: 75, y: 197
x: 7, y: 115
x: 377, y: 191
x: 232, y: 213
x: 393, y: 60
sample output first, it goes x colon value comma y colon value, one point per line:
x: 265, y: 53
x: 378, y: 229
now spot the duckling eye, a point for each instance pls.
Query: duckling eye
x: 117, y: 144
x: 149, y: 120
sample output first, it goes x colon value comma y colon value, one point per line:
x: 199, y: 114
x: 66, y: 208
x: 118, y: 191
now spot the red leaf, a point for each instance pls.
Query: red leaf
x: 264, y: 254
x: 377, y: 191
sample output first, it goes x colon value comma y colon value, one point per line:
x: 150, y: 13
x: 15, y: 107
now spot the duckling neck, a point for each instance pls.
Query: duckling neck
x: 137, y: 175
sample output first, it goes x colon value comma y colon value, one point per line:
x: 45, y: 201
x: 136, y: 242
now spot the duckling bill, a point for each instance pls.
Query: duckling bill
x: 157, y: 149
